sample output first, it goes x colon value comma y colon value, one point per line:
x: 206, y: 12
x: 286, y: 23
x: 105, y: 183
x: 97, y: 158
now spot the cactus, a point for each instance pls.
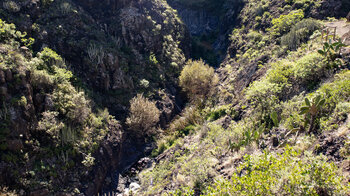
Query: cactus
x: 310, y: 110
x: 331, y: 51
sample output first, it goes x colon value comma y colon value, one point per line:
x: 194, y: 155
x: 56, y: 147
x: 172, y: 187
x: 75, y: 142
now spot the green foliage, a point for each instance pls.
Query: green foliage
x: 66, y: 134
x: 187, y: 164
x: 70, y: 103
x: 197, y: 79
x: 285, y: 174
x: 143, y: 115
x: 284, y: 23
x: 299, y: 33
x: 331, y: 52
x: 336, y: 94
x: 50, y: 60
x: 218, y: 112
x: 309, y: 69
x: 336, y: 118
x: 153, y: 60
x: 274, y: 118
x: 88, y: 161
x: 51, y: 125
x: 189, y: 117
x: 9, y: 34
x: 311, y: 110
x: 264, y: 96
x: 249, y: 135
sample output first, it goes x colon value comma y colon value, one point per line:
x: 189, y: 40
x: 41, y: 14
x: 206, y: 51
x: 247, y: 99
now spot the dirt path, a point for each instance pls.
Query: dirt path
x: 343, y: 29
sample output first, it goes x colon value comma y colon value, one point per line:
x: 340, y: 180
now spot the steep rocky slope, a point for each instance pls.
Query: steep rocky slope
x: 249, y: 138
x: 210, y: 23
x: 276, y: 122
x: 111, y: 46
x: 114, y: 49
x: 51, y: 137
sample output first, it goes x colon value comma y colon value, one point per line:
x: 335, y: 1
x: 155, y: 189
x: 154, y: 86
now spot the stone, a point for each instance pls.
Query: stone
x: 134, y: 187
x: 348, y: 17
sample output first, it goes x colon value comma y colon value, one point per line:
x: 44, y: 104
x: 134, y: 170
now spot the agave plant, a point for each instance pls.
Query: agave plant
x: 310, y: 110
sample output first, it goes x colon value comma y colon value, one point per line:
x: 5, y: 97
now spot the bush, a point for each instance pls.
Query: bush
x: 143, y: 115
x: 71, y: 104
x: 189, y: 116
x: 50, y: 58
x: 286, y: 174
x: 197, y: 79
x: 284, y: 23
x: 300, y: 33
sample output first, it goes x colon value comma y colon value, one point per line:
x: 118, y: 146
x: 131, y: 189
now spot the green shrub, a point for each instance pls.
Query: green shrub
x: 189, y: 116
x: 286, y: 174
x: 310, y: 110
x: 300, y: 33
x: 309, y: 69
x: 143, y: 115
x: 339, y: 116
x: 50, y: 124
x: 197, y: 79
x: 50, y: 58
x: 70, y: 103
x: 41, y: 79
x: 264, y: 96
x: 8, y: 32
x: 249, y: 135
x: 215, y: 113
x: 284, y: 23
x: 336, y: 91
x: 331, y: 52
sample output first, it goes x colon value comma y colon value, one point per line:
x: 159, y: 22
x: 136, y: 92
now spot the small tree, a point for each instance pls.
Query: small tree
x: 197, y: 79
x: 143, y: 115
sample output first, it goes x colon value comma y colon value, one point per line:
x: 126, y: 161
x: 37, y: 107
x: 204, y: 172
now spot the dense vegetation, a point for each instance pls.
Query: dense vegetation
x: 272, y: 119
x: 48, y: 127
x: 265, y: 136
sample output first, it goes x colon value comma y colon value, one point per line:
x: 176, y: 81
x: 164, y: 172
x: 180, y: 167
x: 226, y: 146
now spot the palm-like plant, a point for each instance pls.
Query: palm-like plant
x: 310, y: 110
x: 331, y: 52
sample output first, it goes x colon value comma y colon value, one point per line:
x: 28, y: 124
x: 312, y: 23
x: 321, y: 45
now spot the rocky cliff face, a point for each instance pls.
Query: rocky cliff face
x: 210, y: 24
x: 108, y: 45
x: 115, y: 49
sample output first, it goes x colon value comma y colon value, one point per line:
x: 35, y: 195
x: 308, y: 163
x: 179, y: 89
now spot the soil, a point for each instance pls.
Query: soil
x: 343, y: 30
